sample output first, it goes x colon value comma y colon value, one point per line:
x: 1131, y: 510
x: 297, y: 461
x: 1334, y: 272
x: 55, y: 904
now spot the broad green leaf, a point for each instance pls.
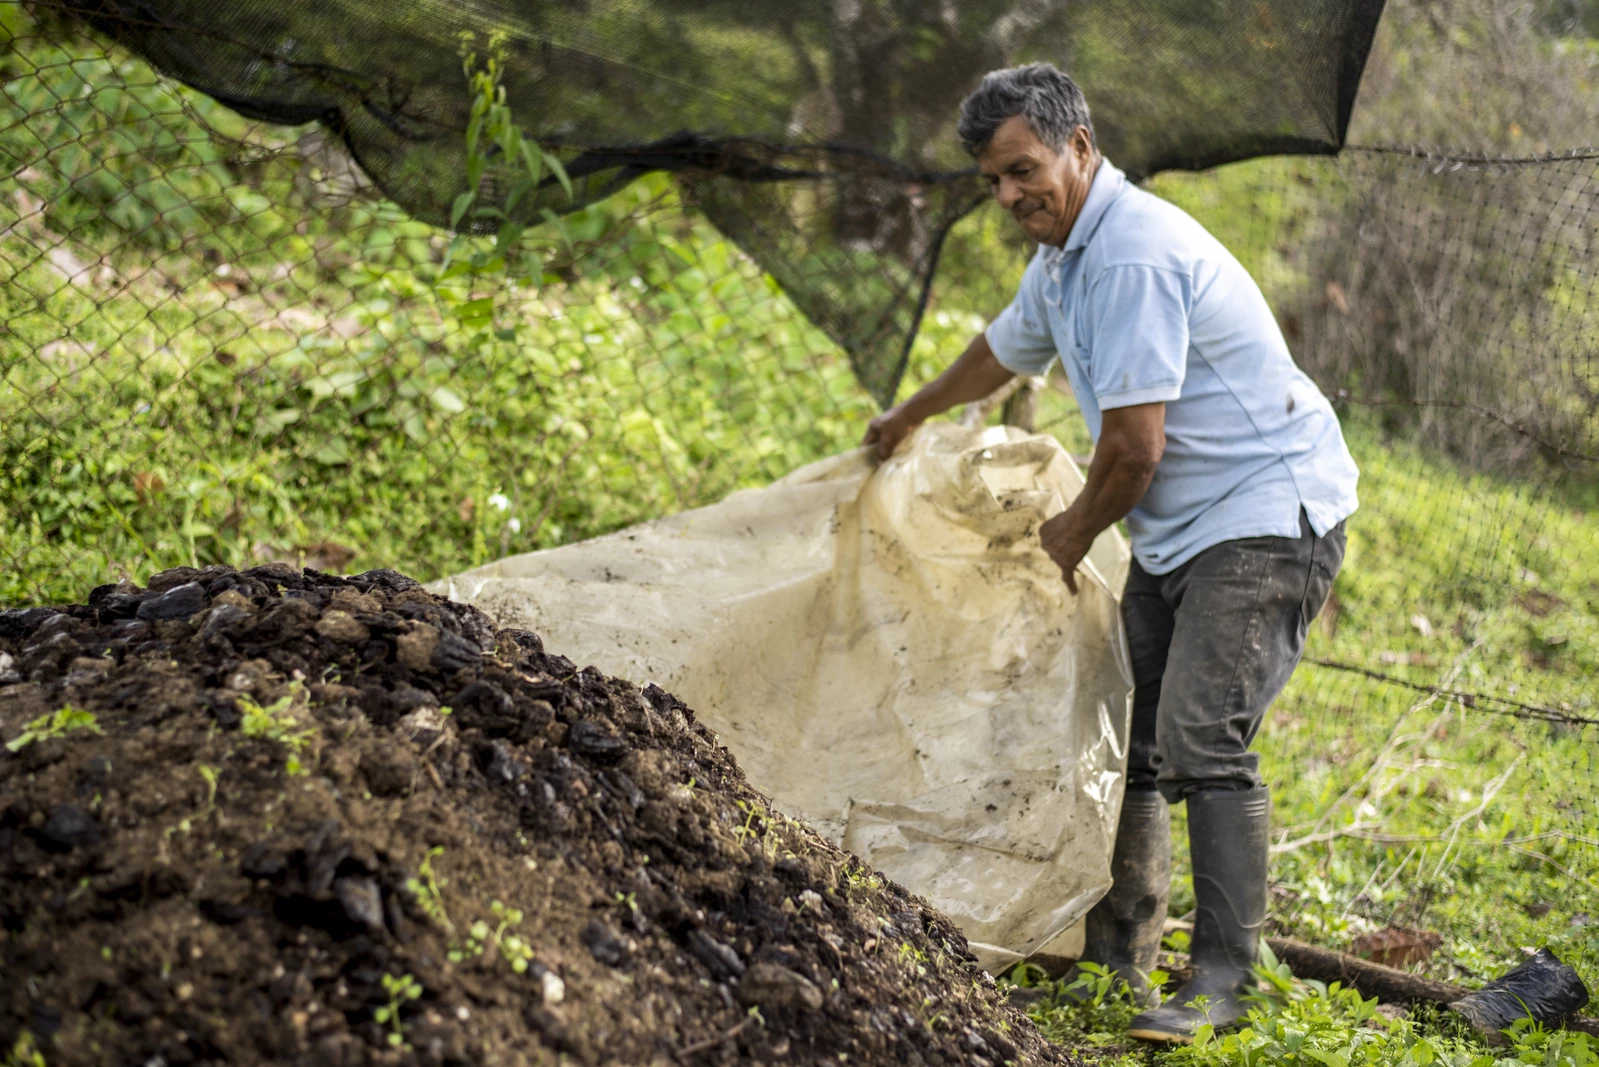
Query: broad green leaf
x: 480, y: 308
x: 445, y: 399
x: 560, y: 174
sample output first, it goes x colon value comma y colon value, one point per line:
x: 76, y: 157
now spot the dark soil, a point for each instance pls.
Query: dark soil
x: 191, y: 878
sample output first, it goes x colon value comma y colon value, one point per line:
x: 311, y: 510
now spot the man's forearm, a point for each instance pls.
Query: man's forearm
x: 973, y: 376
x: 1131, y: 442
x: 1117, y: 480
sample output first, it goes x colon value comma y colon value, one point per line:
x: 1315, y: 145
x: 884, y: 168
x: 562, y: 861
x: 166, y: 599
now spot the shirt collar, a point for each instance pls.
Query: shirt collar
x: 1107, y: 186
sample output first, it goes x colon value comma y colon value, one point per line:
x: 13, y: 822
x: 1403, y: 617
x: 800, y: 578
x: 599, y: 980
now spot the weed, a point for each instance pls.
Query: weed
x: 477, y: 935
x: 400, y: 990
x: 926, y: 1016
x: 427, y: 888
x: 24, y: 1053
x: 56, y: 724
x: 857, y: 877
x: 280, y: 722
x: 913, y: 958
x: 757, y: 829
x: 515, y: 949
x: 210, y: 775
x: 517, y: 952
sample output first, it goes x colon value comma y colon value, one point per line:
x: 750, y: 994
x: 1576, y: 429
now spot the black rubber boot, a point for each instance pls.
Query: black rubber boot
x: 1122, y: 932
x: 1227, y: 844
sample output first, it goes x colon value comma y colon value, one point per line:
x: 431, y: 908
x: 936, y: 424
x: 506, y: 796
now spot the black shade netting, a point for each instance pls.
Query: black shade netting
x: 819, y: 137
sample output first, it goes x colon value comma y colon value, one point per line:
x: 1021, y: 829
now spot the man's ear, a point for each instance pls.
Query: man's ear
x: 1082, y: 145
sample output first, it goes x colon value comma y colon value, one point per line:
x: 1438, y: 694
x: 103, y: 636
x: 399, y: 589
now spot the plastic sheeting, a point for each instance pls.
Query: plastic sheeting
x: 890, y: 655
x: 1542, y: 988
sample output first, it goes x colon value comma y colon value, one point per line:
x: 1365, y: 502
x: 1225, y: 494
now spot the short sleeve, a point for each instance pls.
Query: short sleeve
x: 1020, y: 337
x: 1136, y: 325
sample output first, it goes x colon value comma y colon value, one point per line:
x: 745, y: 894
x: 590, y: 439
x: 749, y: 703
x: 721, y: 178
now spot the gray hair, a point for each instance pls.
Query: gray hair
x: 1047, y: 98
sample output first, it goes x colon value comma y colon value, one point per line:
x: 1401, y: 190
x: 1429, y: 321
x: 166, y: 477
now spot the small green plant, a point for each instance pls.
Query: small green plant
x: 210, y: 775
x: 493, y: 139
x: 477, y: 935
x: 757, y: 829
x: 56, y: 724
x: 1095, y: 981
x: 1276, y: 979
x: 428, y: 888
x: 514, y: 948
x: 858, y: 878
x: 279, y: 721
x: 926, y: 1016
x: 400, y: 990
x: 1534, y: 1044
x: 24, y: 1053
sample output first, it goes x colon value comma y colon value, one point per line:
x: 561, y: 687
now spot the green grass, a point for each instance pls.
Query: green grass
x: 1298, y: 1024
x: 1476, y: 824
x: 1393, y: 807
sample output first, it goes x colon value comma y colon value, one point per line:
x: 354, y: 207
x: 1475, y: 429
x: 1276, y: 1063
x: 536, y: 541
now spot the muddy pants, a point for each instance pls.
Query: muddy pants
x: 1213, y: 643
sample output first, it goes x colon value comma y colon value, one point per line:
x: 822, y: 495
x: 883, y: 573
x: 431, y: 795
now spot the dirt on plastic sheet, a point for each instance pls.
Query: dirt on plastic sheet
x: 277, y: 816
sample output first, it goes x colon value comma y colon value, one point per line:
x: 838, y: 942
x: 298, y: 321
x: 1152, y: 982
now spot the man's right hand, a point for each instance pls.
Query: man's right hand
x: 971, y: 377
x: 888, y: 430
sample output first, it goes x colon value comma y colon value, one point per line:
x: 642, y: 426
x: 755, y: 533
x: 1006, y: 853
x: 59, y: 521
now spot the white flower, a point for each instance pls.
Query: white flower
x: 500, y: 502
x: 514, y: 525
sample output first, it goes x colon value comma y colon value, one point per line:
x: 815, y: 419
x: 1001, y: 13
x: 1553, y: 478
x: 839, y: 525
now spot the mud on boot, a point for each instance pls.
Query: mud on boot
x: 1122, y: 932
x: 1228, y: 846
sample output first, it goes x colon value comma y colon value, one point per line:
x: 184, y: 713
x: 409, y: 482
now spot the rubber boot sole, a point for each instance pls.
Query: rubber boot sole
x: 1165, y: 1037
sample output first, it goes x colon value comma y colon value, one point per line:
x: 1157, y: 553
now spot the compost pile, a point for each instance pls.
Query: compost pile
x: 281, y: 816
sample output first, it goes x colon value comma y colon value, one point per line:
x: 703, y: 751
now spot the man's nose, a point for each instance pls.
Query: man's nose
x: 1008, y: 192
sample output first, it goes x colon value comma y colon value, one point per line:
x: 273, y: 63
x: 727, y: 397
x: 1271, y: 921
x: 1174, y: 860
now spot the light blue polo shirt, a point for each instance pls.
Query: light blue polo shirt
x: 1144, y: 305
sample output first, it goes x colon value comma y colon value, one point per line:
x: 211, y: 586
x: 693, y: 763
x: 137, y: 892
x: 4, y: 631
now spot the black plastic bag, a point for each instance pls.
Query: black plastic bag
x: 1543, y: 987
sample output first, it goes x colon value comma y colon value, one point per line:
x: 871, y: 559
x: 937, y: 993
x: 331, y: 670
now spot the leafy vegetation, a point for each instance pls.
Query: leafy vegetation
x: 56, y: 724
x: 1304, y: 1024
x: 428, y: 889
x: 280, y: 722
x: 401, y: 991
x: 301, y: 375
x: 1400, y: 808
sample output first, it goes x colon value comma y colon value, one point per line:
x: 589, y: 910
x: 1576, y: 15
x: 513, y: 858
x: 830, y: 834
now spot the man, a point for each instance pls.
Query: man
x: 1231, y: 471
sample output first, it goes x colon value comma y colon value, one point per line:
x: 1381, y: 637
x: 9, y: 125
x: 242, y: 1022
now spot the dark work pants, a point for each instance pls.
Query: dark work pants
x: 1212, y: 645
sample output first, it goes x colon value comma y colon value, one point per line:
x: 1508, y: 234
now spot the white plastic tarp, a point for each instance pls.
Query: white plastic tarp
x: 890, y: 655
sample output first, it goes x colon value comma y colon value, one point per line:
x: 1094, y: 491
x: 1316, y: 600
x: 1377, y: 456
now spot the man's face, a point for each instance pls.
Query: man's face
x: 1043, y: 189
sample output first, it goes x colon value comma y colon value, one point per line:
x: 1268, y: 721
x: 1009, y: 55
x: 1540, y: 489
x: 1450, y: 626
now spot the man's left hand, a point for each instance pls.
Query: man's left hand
x: 1065, y: 546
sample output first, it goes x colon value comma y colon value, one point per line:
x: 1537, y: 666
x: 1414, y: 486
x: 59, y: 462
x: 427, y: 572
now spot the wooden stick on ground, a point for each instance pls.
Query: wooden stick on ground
x: 1387, y: 984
